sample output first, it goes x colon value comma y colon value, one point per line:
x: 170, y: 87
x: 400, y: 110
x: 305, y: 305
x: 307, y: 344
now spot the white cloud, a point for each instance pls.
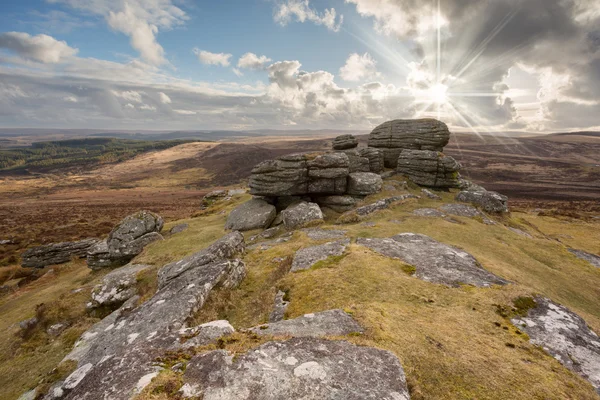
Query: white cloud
x: 164, y: 98
x: 206, y: 57
x: 70, y: 99
x: 300, y: 10
x: 185, y: 112
x: 358, y: 67
x: 130, y: 95
x: 252, y: 61
x: 40, y: 48
x: 237, y: 72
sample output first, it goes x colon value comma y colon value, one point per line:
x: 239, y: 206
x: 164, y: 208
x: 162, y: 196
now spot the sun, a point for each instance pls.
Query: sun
x: 438, y: 93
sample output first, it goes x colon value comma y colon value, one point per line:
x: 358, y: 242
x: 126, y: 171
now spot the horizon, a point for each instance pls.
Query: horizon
x: 299, y: 65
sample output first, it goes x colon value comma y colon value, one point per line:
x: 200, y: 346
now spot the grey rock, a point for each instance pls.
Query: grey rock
x: 28, y: 323
x: 270, y: 243
x: 6, y: 241
x: 279, y: 307
x: 324, y: 323
x: 56, y: 329
x: 284, y: 176
x: 99, y: 257
x: 364, y: 183
x: 235, y: 192
x: 56, y: 253
x: 375, y: 157
x: 204, y: 334
x: 521, y: 232
x: 278, y: 221
x: 337, y: 203
x: 463, y: 210
x: 430, y: 194
x: 117, y: 286
x: 299, y: 368
x: 429, y: 168
x: 227, y: 247
x: 212, y: 197
x: 491, y: 202
x: 301, y: 214
x: 309, y: 256
x: 389, y: 188
x: 428, y: 212
x: 344, y: 142
x: 28, y: 395
x: 388, y: 174
x: 589, y: 257
x: 253, y: 214
x: 564, y: 335
x: 324, y: 234
x: 357, y: 162
x: 420, y: 134
x: 284, y: 202
x: 270, y: 233
x: 434, y: 261
x: 178, y: 228
x: 383, y: 204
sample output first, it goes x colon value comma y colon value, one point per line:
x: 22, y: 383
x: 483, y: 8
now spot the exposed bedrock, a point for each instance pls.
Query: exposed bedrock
x: 56, y: 253
x: 413, y: 134
x: 429, y: 168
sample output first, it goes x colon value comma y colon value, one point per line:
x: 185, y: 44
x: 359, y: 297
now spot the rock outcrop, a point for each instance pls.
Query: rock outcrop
x: 589, y: 257
x: 421, y: 134
x: 253, y: 214
x: 117, y: 286
x: 564, y: 335
x: 429, y: 168
x: 491, y: 202
x: 345, y: 142
x: 301, y: 214
x: 382, y: 204
x: 375, y: 157
x: 56, y: 253
x: 299, y: 368
x: 434, y: 261
x: 337, y: 203
x: 309, y: 256
x: 324, y: 323
x: 364, y: 183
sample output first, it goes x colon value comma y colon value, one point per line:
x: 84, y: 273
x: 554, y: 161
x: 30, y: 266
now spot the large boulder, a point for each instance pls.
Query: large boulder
x: 429, y: 168
x: 364, y: 183
x: 299, y: 368
x: 117, y: 287
x: 375, y: 157
x: 491, y: 202
x: 328, y: 173
x: 418, y: 134
x: 357, y: 162
x: 284, y: 176
x: 301, y: 214
x: 56, y: 253
x: 345, y: 142
x: 253, y: 214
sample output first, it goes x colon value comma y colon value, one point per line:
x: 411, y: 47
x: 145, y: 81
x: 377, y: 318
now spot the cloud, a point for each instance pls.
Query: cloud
x: 40, y: 48
x: 358, y: 67
x: 208, y: 58
x: 237, y: 72
x: 141, y: 20
x: 164, y: 98
x: 300, y: 10
x: 252, y: 61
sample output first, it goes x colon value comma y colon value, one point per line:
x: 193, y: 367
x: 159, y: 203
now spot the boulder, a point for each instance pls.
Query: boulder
x: 324, y: 323
x: 99, y: 257
x: 364, y: 183
x: 178, y: 228
x: 491, y: 202
x: 56, y: 253
x: 328, y: 173
x: 213, y: 196
x: 299, y: 368
x: 429, y: 168
x: 434, y: 261
x: 301, y: 214
x: 382, y: 204
x: 345, y: 142
x: 284, y: 176
x: 309, y: 256
x: 279, y: 307
x: 253, y: 214
x: 566, y: 336
x: 375, y: 157
x: 337, y: 203
x: 324, y: 234
x: 419, y: 134
x: 589, y: 257
x: 357, y: 162
x: 117, y: 286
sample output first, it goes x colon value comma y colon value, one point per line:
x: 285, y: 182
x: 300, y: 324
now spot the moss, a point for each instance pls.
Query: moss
x: 164, y: 386
x: 523, y: 304
x: 329, y: 262
x: 350, y: 217
x: 409, y: 269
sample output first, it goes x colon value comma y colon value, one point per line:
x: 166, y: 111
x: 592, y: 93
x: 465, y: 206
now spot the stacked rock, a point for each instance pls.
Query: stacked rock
x: 429, y: 168
x: 345, y: 142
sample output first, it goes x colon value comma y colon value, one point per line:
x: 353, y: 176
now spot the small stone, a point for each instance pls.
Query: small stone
x: 344, y: 142
x: 324, y: 234
x: 491, y: 202
x: 279, y: 307
x: 430, y: 194
x: 178, y: 228
x: 428, y: 212
x: 56, y: 329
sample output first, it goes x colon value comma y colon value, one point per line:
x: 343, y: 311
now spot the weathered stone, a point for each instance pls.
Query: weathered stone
x: 420, y: 134
x: 337, y: 203
x: 309, y: 256
x: 212, y: 197
x: 31, y: 395
x: 357, y: 162
x: 56, y: 329
x: 270, y: 243
x: 434, y: 261
x: 428, y: 212
x: 429, y: 168
x: 521, y: 232
x: 463, y: 210
x: 589, y: 257
x: 204, y: 334
x: 301, y: 214
x: 178, y: 228
x: 235, y: 192
x: 364, y: 183
x: 344, y: 142
x: 324, y: 323
x: 284, y: 176
x: 383, y: 204
x: 284, y: 202
x: 324, y: 234
x: 566, y: 336
x: 299, y: 368
x: 491, y: 202
x: 99, y: 257
x: 375, y: 157
x: 279, y: 307
x: 253, y: 214
x: 117, y: 286
x: 56, y: 253
x: 430, y: 194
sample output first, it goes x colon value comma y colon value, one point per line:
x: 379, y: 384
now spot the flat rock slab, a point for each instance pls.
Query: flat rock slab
x: 428, y: 212
x: 56, y: 253
x: 564, y: 335
x: 324, y: 234
x: 204, y: 334
x: 300, y: 368
x: 325, y: 323
x: 309, y: 256
x: 463, y: 210
x: 117, y: 286
x: 434, y: 261
x: 589, y: 257
x: 383, y: 204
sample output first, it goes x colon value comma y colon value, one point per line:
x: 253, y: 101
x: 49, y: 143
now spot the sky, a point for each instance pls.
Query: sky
x: 479, y: 65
